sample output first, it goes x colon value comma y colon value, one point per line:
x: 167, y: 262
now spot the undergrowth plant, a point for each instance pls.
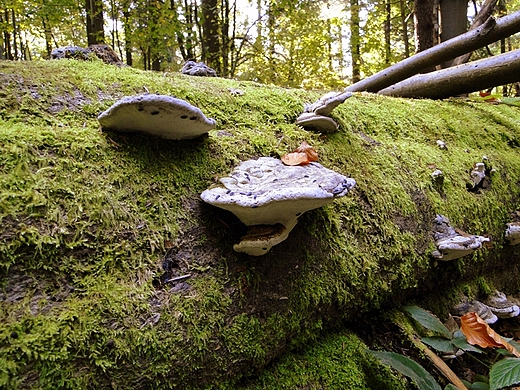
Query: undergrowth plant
x: 503, y: 373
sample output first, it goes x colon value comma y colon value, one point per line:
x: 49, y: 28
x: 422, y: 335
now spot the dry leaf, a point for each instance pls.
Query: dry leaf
x: 295, y: 159
x: 478, y: 332
x: 303, y: 155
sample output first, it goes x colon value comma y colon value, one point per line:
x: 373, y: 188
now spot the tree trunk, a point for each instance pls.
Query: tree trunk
x: 489, y: 32
x: 388, y: 26
x: 95, y: 22
x: 404, y: 28
x: 210, y: 34
x: 355, y: 40
x: 465, y: 78
x: 454, y: 21
x: 424, y: 25
x: 486, y: 10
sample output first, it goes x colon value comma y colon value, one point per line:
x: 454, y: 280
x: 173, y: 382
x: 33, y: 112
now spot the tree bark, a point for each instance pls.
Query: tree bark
x: 454, y: 21
x: 355, y: 40
x: 95, y: 22
x: 210, y: 38
x: 489, y: 32
x: 424, y: 25
x: 465, y: 78
x: 485, y: 12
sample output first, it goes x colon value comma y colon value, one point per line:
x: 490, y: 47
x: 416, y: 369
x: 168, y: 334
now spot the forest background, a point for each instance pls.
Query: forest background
x: 295, y: 43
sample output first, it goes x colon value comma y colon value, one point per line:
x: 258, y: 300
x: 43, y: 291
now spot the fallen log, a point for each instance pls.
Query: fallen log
x: 465, y: 78
x: 491, y: 31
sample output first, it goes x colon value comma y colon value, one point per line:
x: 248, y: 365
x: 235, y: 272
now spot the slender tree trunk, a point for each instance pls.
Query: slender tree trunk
x: 190, y: 41
x: 15, y: 32
x: 128, y: 33
x: 404, y: 28
x: 489, y: 32
x: 387, y: 28
x: 7, y: 38
x: 424, y: 25
x: 95, y: 22
x: 474, y: 76
x: 454, y: 21
x: 224, y: 34
x: 210, y: 34
x: 355, y: 41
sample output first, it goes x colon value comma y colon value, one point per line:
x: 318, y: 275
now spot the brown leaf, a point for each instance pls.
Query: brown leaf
x: 478, y: 332
x: 303, y: 155
x: 308, y: 150
x: 295, y: 158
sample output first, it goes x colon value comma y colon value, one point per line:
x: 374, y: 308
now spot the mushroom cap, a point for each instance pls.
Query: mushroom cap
x: 267, y: 192
x: 328, y: 102
x: 315, y: 122
x: 159, y: 115
x: 513, y: 233
x: 457, y: 246
x: 478, y: 307
x: 501, y: 306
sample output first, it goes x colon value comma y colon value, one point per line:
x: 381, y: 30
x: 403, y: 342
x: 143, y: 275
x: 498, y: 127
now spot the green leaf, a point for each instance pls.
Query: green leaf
x: 479, y: 386
x: 428, y: 320
x: 440, y: 344
x: 409, y: 368
x: 449, y: 386
x: 505, y: 372
x: 462, y: 343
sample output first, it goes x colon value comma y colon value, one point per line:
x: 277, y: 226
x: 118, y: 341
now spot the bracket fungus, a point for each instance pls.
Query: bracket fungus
x: 450, y: 244
x: 268, y: 193
x: 513, y: 233
x: 482, y: 310
x: 315, y: 115
x: 159, y: 115
x: 501, y: 306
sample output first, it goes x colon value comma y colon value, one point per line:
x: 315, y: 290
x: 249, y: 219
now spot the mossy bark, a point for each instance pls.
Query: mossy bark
x: 95, y: 224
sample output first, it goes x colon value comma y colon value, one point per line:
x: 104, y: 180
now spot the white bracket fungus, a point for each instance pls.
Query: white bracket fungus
x: 452, y: 245
x: 159, y: 115
x: 501, y: 306
x: 482, y: 310
x: 267, y: 192
x: 513, y: 233
x: 315, y: 116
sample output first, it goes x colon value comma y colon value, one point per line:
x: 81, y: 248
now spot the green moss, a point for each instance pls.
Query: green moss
x: 95, y: 223
x: 335, y: 362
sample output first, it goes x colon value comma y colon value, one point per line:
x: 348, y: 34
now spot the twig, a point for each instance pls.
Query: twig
x: 178, y: 278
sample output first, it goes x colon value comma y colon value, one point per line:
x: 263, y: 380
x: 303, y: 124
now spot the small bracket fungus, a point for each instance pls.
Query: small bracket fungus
x: 478, y: 173
x: 513, y: 233
x: 267, y: 192
x: 315, y: 116
x: 441, y: 144
x: 452, y: 245
x: 328, y: 102
x: 159, y: 115
x: 193, y: 68
x: 478, y: 307
x: 501, y: 306
x: 312, y: 121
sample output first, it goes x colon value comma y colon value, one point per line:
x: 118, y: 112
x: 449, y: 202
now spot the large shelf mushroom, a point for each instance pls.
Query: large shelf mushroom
x: 158, y: 115
x: 268, y: 196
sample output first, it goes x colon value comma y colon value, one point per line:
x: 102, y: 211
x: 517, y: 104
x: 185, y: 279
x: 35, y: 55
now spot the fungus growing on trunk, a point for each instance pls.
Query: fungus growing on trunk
x: 513, y: 233
x: 267, y: 192
x: 450, y: 244
x: 159, y: 115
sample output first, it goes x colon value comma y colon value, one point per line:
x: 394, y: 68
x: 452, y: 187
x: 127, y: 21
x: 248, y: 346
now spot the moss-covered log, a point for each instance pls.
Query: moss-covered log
x: 94, y: 224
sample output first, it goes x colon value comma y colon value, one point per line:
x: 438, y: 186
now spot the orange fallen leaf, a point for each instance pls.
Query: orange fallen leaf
x: 478, y: 332
x: 303, y: 155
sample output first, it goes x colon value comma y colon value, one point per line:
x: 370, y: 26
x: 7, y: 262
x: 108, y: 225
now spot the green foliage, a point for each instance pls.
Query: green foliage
x: 408, y: 367
x: 504, y: 373
x: 428, y: 320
